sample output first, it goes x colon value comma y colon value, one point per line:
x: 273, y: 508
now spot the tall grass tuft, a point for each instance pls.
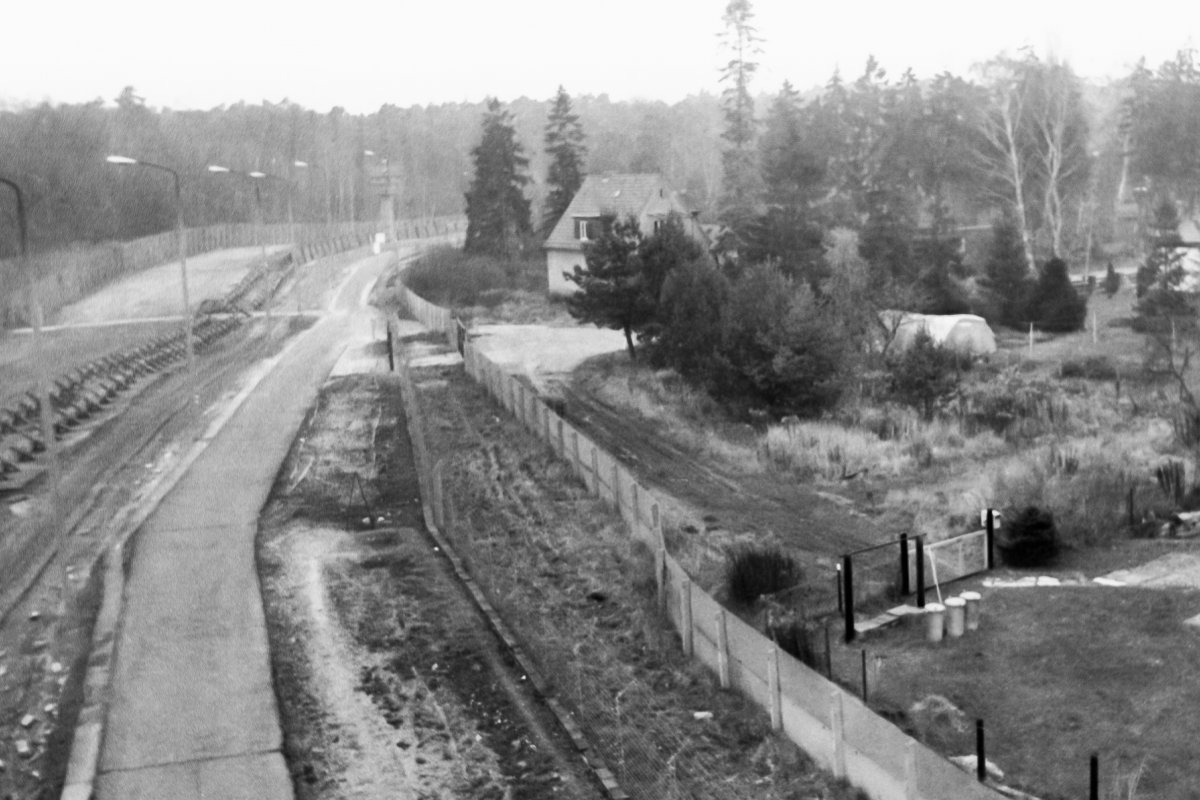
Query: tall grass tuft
x: 752, y: 572
x: 1087, y: 488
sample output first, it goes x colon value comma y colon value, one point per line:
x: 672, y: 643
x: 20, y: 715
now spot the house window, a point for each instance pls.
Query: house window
x: 658, y: 223
x: 590, y: 228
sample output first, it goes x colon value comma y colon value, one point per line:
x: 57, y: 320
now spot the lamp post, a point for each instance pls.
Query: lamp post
x: 35, y: 313
x: 325, y: 174
x: 257, y: 177
x: 387, y: 207
x: 42, y: 380
x: 181, y: 235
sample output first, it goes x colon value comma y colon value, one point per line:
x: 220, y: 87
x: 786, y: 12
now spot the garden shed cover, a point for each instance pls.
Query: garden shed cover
x: 963, y: 333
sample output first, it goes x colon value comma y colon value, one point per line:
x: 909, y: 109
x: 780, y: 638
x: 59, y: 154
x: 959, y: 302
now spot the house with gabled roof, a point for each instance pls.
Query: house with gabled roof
x: 602, y: 198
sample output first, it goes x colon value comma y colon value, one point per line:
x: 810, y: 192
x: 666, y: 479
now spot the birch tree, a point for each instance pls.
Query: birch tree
x: 1001, y: 155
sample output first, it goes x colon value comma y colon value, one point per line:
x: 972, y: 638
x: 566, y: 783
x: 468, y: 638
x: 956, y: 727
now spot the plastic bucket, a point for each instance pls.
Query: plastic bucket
x: 935, y: 617
x: 972, y: 599
x: 956, y: 611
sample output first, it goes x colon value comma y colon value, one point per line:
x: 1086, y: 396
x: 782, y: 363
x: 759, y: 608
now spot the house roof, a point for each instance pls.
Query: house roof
x: 618, y: 195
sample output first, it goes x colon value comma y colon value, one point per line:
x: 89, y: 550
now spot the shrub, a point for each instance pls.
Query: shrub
x: 1112, y: 281
x: 446, y: 276
x: 1095, y: 368
x: 752, y: 572
x: 781, y: 347
x: 795, y: 637
x: 1030, y: 539
x: 1170, y: 477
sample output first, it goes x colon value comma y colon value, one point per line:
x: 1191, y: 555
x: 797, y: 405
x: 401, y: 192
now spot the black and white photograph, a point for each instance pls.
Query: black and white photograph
x: 724, y: 400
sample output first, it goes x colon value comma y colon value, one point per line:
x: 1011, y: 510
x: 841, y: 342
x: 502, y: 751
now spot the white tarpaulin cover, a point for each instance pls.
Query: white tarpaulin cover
x: 964, y: 333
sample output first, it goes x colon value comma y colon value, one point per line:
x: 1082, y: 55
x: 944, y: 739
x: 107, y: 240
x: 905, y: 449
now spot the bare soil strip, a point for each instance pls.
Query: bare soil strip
x: 390, y: 682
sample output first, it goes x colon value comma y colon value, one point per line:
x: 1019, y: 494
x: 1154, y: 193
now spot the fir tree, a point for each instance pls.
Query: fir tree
x: 564, y: 144
x: 497, y: 209
x: 741, y: 183
x: 1055, y: 305
x: 1006, y: 272
x: 791, y: 170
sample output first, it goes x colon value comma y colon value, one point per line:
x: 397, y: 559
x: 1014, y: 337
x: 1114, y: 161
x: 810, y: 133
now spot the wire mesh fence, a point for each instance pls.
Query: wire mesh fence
x: 873, y: 579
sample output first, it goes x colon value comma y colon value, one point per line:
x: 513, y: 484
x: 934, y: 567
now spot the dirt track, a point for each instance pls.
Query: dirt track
x: 390, y: 682
x: 727, y: 507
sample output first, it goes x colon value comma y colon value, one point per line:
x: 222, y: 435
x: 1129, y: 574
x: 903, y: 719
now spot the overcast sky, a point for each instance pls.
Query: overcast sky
x: 361, y: 54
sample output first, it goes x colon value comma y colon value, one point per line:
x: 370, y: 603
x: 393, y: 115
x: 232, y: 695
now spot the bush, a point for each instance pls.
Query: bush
x: 446, y: 276
x: 752, y: 572
x: 781, y: 347
x: 1112, y: 281
x: 1095, y: 368
x: 1030, y: 539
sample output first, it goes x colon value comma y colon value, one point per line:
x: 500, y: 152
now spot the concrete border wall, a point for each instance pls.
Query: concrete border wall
x: 64, y: 276
x: 832, y: 725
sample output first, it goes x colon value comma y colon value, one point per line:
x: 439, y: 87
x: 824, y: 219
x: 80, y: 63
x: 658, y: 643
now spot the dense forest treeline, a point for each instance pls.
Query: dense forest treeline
x: 56, y: 153
x: 862, y: 136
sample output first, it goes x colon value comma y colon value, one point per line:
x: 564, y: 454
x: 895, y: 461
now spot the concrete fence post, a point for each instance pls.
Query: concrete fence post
x: 521, y: 404
x: 911, y: 791
x: 575, y: 449
x: 562, y: 440
x: 722, y: 650
x: 660, y: 579
x: 595, y: 471
x: 637, y: 517
x: 775, y: 700
x: 656, y: 516
x: 837, y: 728
x: 616, y: 485
x: 685, y: 616
x: 546, y: 426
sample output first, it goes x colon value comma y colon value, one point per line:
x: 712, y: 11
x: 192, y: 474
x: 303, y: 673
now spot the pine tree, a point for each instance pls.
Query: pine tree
x: 622, y: 285
x: 741, y: 183
x: 612, y: 286
x: 497, y: 210
x: 565, y: 145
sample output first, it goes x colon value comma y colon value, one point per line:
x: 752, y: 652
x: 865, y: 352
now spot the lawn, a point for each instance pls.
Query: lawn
x: 1056, y: 674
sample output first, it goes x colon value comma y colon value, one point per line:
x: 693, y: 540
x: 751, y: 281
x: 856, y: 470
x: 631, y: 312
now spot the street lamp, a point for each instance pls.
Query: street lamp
x: 325, y: 173
x: 125, y: 161
x: 35, y: 312
x: 256, y: 177
x: 43, y: 381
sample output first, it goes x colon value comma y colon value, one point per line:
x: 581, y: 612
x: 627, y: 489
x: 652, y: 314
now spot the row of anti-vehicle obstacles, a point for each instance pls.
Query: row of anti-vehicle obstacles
x: 78, y: 395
